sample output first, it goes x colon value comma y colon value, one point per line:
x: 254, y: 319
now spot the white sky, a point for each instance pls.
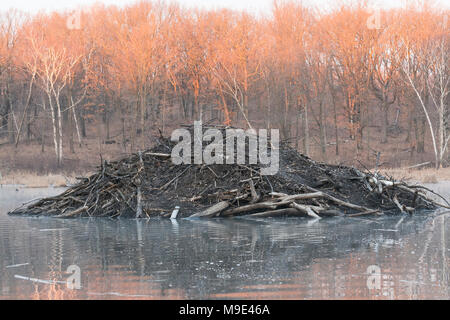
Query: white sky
x: 251, y: 5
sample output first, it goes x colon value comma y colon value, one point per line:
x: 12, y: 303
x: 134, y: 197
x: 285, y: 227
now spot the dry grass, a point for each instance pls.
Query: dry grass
x: 33, y: 180
x: 427, y: 175
x: 28, y: 165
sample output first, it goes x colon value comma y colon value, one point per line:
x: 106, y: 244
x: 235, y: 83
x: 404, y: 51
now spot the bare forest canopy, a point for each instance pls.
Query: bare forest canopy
x: 321, y: 78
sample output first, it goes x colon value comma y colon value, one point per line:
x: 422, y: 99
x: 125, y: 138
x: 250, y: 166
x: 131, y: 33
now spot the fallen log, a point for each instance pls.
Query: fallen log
x: 307, y: 209
x: 212, y: 211
x: 419, y: 165
x: 248, y: 208
x: 73, y: 213
x: 277, y: 213
x: 365, y: 213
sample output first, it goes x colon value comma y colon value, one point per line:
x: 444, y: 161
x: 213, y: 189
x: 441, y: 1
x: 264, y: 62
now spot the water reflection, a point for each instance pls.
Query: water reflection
x: 192, y: 259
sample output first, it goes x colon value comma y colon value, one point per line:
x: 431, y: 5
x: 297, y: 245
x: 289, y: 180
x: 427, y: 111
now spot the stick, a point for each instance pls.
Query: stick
x: 376, y: 212
x: 255, y: 196
x: 340, y: 202
x: 139, y: 204
x: 303, y: 196
x: 175, y: 212
x: 419, y: 165
x: 73, y: 213
x: 274, y: 213
x: 169, y: 183
x: 397, y: 203
x: 161, y: 155
x: 305, y: 209
x: 431, y: 191
x: 211, y: 211
x: 250, y: 207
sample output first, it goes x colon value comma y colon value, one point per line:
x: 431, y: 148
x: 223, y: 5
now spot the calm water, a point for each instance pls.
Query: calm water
x: 225, y: 259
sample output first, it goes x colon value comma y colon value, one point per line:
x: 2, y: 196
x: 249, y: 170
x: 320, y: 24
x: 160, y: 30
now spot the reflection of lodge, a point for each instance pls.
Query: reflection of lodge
x: 275, y: 259
x: 346, y: 277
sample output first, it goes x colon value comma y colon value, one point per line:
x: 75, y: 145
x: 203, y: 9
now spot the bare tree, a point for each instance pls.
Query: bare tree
x: 433, y: 60
x: 53, y: 67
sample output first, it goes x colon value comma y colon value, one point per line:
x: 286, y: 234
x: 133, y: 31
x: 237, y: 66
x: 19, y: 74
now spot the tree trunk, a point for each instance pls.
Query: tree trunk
x: 419, y: 131
x: 336, y: 131
x: 143, y: 109
x: 297, y: 128
x: 323, y: 137
x: 305, y: 130
x: 83, y: 124
x: 10, y: 115
x: 124, y: 141
x: 384, y: 137
x: 134, y: 131
x: 11, y: 127
x: 72, y: 129
x: 74, y: 114
x: 55, y: 136
x: 60, y: 132
x: 410, y: 126
x: 268, y: 116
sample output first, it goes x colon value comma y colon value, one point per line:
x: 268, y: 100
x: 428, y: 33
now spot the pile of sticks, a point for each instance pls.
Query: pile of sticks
x: 147, y: 184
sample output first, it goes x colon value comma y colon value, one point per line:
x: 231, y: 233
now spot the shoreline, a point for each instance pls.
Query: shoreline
x: 27, y: 179
x: 34, y: 180
x: 425, y: 175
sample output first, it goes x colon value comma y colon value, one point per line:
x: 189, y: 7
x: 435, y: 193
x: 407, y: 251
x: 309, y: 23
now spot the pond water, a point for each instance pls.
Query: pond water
x: 340, y: 258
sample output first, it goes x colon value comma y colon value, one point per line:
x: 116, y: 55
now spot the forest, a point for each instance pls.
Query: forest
x: 344, y: 81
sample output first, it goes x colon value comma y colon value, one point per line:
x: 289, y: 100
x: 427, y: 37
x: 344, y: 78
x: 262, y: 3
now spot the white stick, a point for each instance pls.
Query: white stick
x: 139, y: 203
x: 175, y: 212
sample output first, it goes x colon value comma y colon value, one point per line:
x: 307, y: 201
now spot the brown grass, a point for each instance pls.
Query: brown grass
x: 33, y: 180
x: 427, y: 175
x: 28, y: 165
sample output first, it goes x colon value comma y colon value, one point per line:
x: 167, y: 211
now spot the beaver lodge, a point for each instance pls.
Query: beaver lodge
x: 148, y: 184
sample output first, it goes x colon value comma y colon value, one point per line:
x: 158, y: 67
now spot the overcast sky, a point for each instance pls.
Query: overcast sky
x: 252, y: 5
